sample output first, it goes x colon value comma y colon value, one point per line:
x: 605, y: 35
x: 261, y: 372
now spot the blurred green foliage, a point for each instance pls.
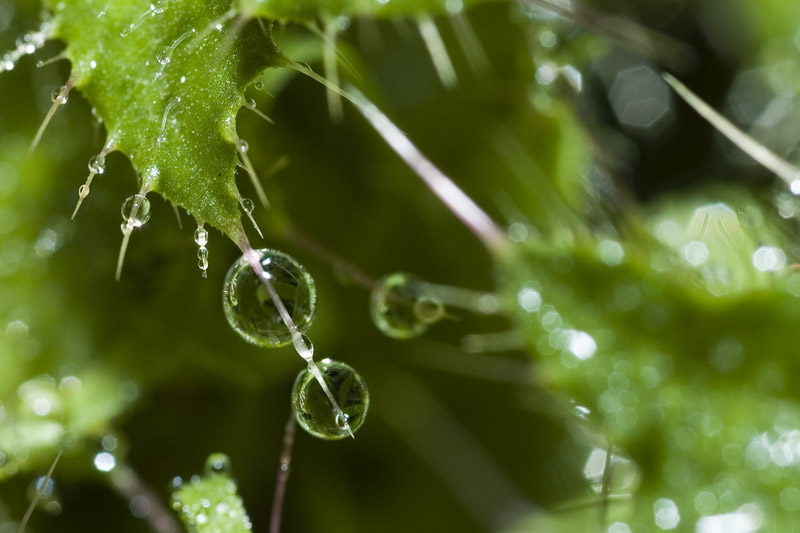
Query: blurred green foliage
x: 638, y: 376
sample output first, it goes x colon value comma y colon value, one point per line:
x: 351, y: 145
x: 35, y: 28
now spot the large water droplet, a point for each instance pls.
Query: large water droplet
x: 218, y: 463
x: 136, y: 210
x: 313, y: 410
x: 251, y: 312
x: 401, y: 309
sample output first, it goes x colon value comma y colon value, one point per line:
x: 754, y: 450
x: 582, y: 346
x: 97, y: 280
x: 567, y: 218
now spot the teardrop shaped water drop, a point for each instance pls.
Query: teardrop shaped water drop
x: 242, y: 146
x: 97, y: 164
x: 248, y: 205
x: 313, y: 409
x: 251, y: 312
x: 136, y: 210
x: 400, y: 308
x: 201, y: 236
x: 59, y: 95
x: 218, y: 463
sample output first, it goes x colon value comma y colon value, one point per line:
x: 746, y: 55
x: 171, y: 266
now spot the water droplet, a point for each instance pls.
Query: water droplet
x: 59, y: 95
x: 250, y: 102
x: 201, y: 236
x: 97, y: 164
x: 259, y: 85
x: 162, y: 56
x: 202, y: 253
x: 248, y: 205
x: 400, y: 309
x: 313, y: 410
x: 175, y: 484
x: 428, y: 309
x: 250, y: 310
x: 136, y: 210
x: 242, y: 146
x: 218, y: 463
x: 83, y: 191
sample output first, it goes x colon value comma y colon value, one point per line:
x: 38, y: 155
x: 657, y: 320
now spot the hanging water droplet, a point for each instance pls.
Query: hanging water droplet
x: 136, y: 210
x: 250, y: 103
x: 201, y: 236
x: 259, y: 85
x: 313, y: 409
x: 218, y: 463
x: 248, y: 205
x: 242, y: 146
x: 97, y: 164
x: 83, y: 191
x: 400, y: 308
x: 249, y: 309
x: 59, y: 95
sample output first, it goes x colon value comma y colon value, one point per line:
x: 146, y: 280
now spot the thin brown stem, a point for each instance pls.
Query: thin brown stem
x: 283, y: 475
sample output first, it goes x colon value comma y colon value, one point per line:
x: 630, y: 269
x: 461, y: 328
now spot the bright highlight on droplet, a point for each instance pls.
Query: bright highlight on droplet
x: 105, y: 462
x: 249, y: 308
x: 313, y: 409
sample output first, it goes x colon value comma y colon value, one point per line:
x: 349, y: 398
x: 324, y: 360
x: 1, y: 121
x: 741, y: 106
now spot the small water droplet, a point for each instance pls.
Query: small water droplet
x: 175, y: 484
x: 201, y: 236
x: 250, y: 103
x: 248, y: 205
x: 428, y: 309
x: 59, y: 95
x: 83, y: 191
x: 242, y: 146
x: 97, y: 164
x: 400, y: 308
x: 249, y: 308
x: 202, y: 253
x: 313, y: 409
x: 258, y: 85
x: 218, y: 463
x: 136, y: 210
x: 162, y: 56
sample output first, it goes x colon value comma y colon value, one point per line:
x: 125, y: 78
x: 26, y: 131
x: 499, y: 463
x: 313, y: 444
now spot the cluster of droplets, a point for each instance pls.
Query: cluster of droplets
x: 201, y: 238
x: 25, y: 45
x: 156, y: 8
x: 97, y: 166
x: 275, y: 307
x: 210, y: 503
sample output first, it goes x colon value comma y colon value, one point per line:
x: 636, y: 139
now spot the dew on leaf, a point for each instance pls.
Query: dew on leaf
x: 249, y: 308
x: 313, y: 409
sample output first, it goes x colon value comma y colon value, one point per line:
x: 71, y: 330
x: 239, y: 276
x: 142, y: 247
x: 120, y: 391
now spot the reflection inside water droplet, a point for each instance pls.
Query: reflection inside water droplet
x: 313, y: 409
x: 249, y: 308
